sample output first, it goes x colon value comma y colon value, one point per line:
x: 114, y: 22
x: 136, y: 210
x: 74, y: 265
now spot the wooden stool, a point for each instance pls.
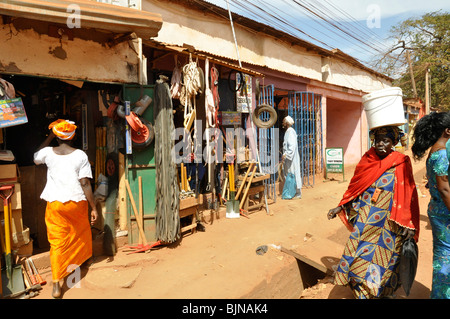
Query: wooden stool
x: 257, y: 187
x: 188, y: 207
x: 254, y: 190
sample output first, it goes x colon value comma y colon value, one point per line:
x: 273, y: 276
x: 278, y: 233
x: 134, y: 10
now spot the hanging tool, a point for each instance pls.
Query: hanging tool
x: 145, y: 246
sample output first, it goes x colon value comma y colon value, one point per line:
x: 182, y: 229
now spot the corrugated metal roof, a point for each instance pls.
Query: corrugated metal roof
x: 94, y: 15
x: 222, y: 60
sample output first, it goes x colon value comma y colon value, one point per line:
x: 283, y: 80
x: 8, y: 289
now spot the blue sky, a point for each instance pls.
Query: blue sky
x: 367, y: 21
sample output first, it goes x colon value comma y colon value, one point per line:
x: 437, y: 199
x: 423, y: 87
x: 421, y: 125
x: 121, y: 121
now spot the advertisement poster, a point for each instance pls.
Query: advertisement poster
x: 243, y: 95
x: 12, y: 112
x: 334, y: 159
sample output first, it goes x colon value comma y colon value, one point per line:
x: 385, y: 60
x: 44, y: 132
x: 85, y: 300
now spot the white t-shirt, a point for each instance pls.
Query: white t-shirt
x: 63, y: 174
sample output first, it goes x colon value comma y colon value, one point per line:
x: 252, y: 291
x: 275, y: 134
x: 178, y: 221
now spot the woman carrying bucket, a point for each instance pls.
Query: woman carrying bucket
x: 382, y: 208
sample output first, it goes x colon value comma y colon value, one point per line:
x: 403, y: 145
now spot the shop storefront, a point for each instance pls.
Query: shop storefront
x: 66, y: 60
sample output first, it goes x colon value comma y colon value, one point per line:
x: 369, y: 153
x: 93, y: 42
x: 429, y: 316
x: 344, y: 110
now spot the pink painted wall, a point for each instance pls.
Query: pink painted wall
x: 343, y: 125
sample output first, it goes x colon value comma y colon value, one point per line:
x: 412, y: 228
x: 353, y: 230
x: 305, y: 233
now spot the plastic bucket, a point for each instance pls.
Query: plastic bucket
x: 384, y: 108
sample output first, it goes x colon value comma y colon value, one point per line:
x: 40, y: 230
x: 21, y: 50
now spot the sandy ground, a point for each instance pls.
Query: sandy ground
x: 221, y: 262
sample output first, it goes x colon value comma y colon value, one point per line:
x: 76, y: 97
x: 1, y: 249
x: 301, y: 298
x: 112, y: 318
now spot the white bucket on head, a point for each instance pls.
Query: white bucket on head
x: 384, y: 108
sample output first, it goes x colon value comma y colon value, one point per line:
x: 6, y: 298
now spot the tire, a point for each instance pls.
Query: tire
x: 272, y: 116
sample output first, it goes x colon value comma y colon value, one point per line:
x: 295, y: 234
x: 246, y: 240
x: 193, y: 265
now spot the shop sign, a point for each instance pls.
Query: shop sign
x: 243, y: 96
x: 12, y: 112
x: 334, y: 159
x: 230, y: 118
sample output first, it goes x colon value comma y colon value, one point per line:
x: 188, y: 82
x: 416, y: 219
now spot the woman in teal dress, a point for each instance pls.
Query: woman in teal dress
x: 433, y: 132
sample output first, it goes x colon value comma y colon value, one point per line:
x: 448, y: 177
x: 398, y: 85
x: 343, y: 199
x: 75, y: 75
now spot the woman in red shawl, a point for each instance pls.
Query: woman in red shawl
x: 381, y: 205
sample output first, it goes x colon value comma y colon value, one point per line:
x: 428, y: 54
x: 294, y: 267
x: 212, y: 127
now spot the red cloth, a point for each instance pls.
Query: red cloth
x: 405, y: 207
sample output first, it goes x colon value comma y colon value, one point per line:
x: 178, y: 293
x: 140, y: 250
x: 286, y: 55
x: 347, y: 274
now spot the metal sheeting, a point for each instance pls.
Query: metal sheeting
x: 90, y: 14
x: 306, y: 110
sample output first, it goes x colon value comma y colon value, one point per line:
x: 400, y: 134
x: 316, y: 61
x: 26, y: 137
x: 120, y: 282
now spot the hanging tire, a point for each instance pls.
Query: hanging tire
x: 264, y: 123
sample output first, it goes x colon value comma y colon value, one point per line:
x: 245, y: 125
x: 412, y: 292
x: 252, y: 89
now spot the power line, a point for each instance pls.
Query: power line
x: 356, y: 24
x: 323, y: 16
x: 334, y: 25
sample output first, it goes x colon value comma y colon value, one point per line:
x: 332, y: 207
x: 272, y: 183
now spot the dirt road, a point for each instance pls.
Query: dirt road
x: 221, y: 263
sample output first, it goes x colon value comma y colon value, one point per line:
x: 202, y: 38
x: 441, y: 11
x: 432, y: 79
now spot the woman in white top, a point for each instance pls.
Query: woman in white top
x: 67, y: 192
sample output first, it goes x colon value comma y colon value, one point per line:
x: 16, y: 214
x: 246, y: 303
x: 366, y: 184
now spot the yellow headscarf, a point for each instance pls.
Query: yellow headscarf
x: 63, y: 129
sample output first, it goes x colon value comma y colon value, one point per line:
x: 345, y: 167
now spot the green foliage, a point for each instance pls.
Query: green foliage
x: 428, y: 41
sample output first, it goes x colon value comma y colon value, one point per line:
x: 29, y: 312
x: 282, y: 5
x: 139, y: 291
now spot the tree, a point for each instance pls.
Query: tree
x: 427, y: 40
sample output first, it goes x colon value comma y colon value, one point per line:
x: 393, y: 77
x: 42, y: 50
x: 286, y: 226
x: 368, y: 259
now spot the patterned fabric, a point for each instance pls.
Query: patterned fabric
x: 370, y: 260
x: 439, y: 215
x: 405, y: 210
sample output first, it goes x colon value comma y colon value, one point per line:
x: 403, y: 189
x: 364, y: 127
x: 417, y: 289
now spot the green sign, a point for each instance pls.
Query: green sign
x: 334, y: 159
x: 334, y: 162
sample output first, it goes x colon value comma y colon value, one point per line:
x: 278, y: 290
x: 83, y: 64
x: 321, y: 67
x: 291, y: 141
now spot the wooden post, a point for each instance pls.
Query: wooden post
x: 427, y: 92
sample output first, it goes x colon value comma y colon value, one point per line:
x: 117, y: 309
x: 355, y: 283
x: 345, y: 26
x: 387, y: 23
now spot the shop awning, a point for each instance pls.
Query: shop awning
x: 94, y: 15
x: 186, y: 50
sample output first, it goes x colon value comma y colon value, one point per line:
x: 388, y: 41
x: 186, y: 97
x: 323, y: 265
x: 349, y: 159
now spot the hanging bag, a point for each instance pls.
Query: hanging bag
x: 408, y: 264
x: 290, y: 187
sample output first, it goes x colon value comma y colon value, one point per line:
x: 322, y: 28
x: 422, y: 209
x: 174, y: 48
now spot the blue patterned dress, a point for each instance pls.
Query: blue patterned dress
x: 370, y: 260
x: 439, y: 215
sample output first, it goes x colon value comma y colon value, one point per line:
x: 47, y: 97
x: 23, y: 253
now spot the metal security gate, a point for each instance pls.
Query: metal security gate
x: 306, y: 110
x: 268, y: 144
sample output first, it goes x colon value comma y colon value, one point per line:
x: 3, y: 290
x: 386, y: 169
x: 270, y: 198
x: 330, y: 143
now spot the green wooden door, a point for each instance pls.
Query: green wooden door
x: 141, y: 163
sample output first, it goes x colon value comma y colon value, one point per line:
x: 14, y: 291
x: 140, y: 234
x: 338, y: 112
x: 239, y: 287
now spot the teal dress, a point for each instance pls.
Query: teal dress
x: 438, y: 165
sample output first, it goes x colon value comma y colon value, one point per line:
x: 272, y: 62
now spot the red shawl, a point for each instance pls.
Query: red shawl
x: 405, y: 208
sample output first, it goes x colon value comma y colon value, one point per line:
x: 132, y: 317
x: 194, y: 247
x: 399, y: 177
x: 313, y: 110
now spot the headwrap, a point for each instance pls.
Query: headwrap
x: 393, y: 132
x: 289, y: 120
x: 63, y: 129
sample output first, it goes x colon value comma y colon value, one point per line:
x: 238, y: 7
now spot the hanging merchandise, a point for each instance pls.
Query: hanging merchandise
x: 175, y: 85
x: 191, y: 86
x: 12, y: 112
x: 142, y: 132
x: 167, y: 190
x: 128, y: 142
x: 264, y: 116
x: 243, y: 92
x: 210, y: 107
x: 7, y: 90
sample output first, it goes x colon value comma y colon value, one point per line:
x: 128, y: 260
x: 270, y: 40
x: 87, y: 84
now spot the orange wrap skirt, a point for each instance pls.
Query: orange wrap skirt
x: 69, y: 234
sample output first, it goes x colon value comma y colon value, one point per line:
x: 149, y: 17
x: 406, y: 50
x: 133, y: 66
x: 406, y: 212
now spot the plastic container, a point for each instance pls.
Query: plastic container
x: 384, y: 108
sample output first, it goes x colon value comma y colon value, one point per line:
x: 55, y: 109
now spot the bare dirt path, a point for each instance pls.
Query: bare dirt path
x: 221, y: 263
